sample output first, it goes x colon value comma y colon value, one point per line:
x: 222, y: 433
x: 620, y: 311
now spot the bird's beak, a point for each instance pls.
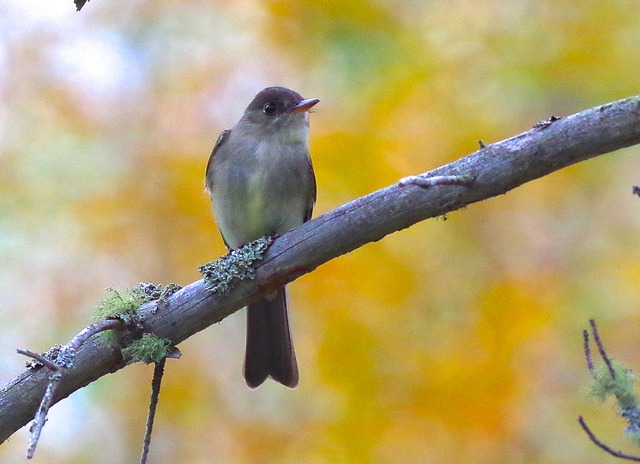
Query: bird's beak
x: 304, y: 105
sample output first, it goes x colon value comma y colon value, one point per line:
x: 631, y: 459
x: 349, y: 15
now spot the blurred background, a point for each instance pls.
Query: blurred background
x: 452, y: 341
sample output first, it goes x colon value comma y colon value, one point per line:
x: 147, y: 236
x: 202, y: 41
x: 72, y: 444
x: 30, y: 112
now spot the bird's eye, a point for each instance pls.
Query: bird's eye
x: 269, y: 108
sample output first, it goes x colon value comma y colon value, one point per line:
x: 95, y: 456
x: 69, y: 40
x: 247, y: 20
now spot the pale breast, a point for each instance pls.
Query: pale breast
x: 264, y: 193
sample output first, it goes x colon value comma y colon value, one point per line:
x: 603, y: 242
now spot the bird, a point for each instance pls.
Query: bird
x: 261, y: 181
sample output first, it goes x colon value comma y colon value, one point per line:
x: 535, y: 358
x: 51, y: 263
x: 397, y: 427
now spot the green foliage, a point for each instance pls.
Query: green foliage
x: 621, y: 386
x: 147, y: 349
x: 237, y: 265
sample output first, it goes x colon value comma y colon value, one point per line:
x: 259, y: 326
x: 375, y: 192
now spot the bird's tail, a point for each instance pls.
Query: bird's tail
x: 269, y: 346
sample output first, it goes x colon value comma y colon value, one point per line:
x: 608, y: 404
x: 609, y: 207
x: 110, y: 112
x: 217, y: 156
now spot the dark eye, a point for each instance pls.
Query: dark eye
x: 269, y: 108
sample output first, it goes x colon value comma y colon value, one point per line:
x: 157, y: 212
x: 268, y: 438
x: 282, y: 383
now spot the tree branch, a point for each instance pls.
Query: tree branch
x: 495, y: 169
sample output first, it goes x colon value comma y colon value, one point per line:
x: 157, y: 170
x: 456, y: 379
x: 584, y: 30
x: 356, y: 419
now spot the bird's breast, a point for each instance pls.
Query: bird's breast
x: 263, y: 193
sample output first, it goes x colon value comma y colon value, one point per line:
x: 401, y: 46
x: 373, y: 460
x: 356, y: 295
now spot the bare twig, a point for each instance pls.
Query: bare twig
x: 587, y: 350
x: 601, y: 350
x: 41, y: 415
x: 158, y: 372
x: 67, y: 354
x: 41, y: 359
x: 617, y: 387
x: 64, y: 361
x: 604, y: 446
x: 79, y: 4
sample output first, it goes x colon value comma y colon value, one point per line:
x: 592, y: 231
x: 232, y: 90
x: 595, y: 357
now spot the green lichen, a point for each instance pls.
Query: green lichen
x: 621, y: 385
x: 158, y: 291
x: 222, y: 275
x: 147, y: 349
x: 125, y: 306
x: 120, y: 305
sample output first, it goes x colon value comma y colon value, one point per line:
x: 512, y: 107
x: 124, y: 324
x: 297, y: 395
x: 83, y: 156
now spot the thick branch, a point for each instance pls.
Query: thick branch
x: 496, y: 169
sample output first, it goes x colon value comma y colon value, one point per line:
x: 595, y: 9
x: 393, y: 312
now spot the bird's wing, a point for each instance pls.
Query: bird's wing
x: 312, y: 202
x: 221, y: 139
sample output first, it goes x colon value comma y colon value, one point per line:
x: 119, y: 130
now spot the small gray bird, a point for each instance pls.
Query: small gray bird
x: 261, y: 181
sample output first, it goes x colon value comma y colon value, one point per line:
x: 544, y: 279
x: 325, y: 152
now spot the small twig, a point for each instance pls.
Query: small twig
x: 88, y: 332
x: 433, y: 181
x: 63, y: 361
x: 587, y: 350
x: 41, y: 415
x: 603, y: 353
x: 616, y: 386
x: 41, y: 359
x: 158, y: 372
x: 79, y: 4
x: 604, y: 446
